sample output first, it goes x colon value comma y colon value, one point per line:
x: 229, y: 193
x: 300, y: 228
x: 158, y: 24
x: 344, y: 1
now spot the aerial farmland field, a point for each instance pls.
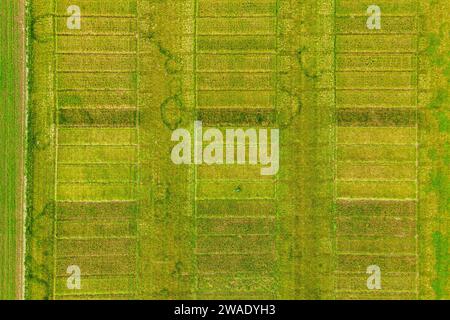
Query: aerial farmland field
x: 225, y: 149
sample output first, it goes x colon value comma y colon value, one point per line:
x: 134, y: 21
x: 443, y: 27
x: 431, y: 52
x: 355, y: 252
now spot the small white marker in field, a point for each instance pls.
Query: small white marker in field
x: 374, y: 20
x: 74, y: 21
x: 374, y: 280
x: 74, y: 280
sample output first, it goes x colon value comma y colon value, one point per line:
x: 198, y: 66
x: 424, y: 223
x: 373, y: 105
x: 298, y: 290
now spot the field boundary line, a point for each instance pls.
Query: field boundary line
x: 21, y: 194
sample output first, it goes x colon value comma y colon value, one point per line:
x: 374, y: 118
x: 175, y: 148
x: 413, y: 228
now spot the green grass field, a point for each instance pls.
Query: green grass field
x: 364, y: 150
x: 11, y: 135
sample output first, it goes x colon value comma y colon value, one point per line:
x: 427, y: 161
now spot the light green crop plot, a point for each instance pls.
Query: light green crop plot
x: 364, y: 151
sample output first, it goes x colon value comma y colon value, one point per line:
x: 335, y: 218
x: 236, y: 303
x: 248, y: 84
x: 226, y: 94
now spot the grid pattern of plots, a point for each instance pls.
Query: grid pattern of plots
x: 139, y: 226
x: 235, y: 207
x: 96, y: 152
x: 376, y: 99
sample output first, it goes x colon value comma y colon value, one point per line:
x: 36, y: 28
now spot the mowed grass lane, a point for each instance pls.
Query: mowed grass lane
x: 10, y: 146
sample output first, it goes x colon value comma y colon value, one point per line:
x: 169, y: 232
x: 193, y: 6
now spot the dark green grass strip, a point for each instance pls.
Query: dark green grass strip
x: 439, y: 284
x: 10, y: 135
x: 376, y: 117
x: 236, y: 117
x: 97, y: 117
